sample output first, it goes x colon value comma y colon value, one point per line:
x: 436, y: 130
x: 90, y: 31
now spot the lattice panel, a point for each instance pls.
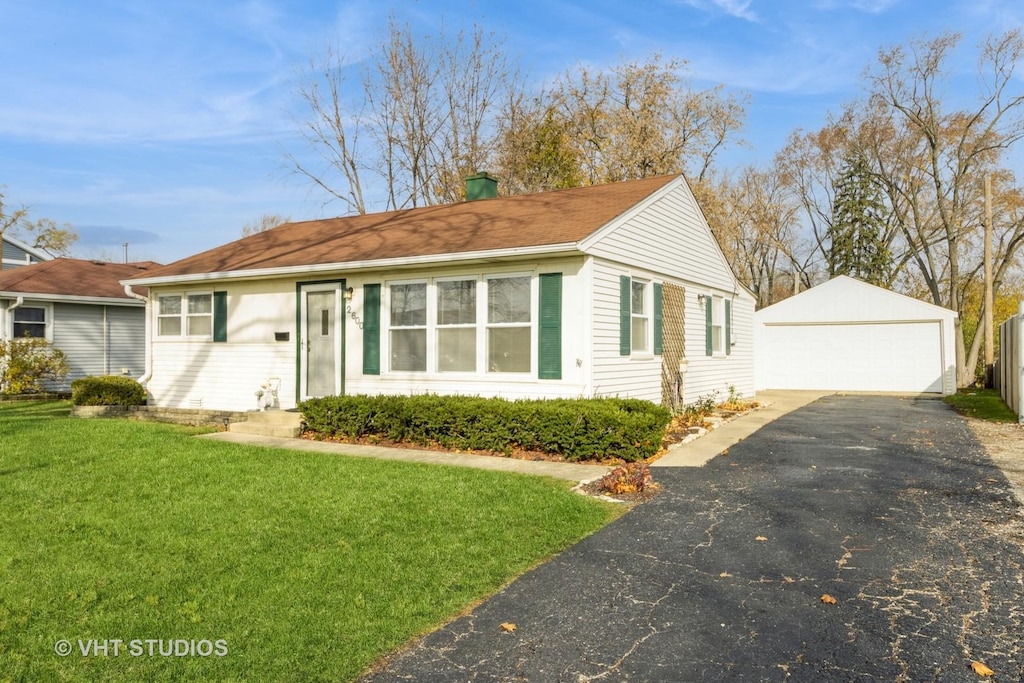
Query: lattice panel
x: 673, y: 308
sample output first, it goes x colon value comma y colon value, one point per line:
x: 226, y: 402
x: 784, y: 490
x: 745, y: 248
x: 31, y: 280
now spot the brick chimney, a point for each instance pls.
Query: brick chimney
x: 481, y: 186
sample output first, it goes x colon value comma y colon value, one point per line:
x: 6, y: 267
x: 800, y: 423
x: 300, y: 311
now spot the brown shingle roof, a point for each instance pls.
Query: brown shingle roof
x: 547, y: 218
x: 73, y: 277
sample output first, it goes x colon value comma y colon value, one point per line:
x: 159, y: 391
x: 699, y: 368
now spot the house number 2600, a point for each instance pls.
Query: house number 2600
x: 352, y: 314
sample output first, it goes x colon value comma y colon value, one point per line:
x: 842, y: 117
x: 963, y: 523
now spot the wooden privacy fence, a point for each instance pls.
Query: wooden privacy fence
x: 1010, y: 364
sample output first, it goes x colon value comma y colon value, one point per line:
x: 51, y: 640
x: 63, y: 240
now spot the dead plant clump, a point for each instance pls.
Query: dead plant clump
x: 630, y: 483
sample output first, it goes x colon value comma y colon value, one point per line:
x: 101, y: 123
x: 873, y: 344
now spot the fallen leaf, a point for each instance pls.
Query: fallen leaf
x: 725, y: 452
x: 760, y: 538
x: 828, y: 599
x: 981, y: 669
x: 506, y: 626
x: 724, y: 575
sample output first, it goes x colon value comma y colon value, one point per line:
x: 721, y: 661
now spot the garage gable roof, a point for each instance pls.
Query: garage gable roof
x: 846, y: 299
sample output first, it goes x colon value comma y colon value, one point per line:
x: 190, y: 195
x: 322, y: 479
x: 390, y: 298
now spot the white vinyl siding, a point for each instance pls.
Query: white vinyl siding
x: 640, y: 377
x: 669, y: 237
x: 615, y: 374
x: 220, y: 376
x: 710, y: 375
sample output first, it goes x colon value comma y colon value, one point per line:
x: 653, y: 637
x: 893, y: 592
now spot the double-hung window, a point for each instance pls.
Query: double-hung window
x: 640, y: 317
x: 189, y: 315
x: 641, y: 324
x: 471, y: 324
x: 30, y: 321
x: 508, y: 324
x: 717, y: 326
x: 456, y: 325
x: 408, y: 322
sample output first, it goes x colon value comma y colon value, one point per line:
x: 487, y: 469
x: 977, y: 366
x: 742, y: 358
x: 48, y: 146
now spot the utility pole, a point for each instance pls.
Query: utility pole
x: 990, y: 344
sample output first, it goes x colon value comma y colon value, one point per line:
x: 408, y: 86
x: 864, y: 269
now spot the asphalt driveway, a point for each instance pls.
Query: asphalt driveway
x: 887, y: 504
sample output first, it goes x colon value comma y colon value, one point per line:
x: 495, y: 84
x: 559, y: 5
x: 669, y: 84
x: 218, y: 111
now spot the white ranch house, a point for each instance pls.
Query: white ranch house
x: 613, y: 290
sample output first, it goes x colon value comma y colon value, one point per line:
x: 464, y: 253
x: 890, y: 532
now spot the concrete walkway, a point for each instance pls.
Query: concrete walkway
x: 774, y: 404
x: 558, y: 470
x: 693, y: 454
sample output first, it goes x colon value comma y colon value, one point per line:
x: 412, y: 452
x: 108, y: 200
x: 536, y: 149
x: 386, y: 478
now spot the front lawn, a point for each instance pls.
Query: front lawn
x: 306, y: 567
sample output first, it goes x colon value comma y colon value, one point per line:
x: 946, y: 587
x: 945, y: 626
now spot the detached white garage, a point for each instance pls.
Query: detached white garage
x: 847, y: 335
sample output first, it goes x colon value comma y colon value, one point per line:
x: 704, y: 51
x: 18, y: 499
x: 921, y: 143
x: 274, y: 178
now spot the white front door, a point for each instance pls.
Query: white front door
x: 320, y: 340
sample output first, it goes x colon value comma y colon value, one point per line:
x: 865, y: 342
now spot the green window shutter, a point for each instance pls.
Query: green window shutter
x: 658, y: 320
x: 625, y: 345
x: 220, y: 316
x: 549, y: 327
x: 709, y: 345
x: 371, y: 329
x: 728, y: 326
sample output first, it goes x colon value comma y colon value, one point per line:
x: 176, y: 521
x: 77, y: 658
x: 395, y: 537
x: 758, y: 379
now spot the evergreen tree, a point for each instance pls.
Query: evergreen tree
x: 857, y: 236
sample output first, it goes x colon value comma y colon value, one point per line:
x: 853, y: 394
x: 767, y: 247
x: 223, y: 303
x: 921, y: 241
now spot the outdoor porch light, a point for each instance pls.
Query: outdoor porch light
x: 349, y: 294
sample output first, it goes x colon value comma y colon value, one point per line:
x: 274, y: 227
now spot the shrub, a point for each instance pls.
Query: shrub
x: 577, y: 429
x: 107, y: 390
x: 693, y: 414
x: 26, y: 364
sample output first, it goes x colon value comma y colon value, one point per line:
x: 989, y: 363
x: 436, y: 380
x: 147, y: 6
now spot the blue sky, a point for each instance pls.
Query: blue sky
x: 164, y: 124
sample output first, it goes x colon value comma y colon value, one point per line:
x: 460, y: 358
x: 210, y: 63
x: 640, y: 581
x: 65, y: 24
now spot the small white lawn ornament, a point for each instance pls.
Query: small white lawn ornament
x: 265, y: 396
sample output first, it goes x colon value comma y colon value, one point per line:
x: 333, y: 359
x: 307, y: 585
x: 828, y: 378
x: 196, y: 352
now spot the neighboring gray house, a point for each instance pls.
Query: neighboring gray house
x: 82, y: 309
x: 16, y: 253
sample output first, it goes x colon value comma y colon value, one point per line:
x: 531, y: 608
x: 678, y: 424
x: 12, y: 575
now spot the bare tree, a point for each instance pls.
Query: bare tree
x: 422, y: 117
x: 330, y: 125
x: 935, y: 182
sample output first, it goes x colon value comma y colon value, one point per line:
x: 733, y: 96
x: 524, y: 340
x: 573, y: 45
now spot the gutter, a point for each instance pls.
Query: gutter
x: 495, y: 255
x: 148, y: 374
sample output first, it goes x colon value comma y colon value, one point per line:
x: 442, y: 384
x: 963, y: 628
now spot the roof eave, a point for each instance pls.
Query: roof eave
x: 514, y: 253
x: 71, y: 298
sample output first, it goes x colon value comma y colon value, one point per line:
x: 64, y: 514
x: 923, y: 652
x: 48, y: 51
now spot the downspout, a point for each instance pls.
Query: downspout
x: 10, y: 307
x: 148, y: 374
x: 106, y: 343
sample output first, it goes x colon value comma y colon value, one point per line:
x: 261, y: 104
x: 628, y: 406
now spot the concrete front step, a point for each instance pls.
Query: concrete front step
x: 280, y: 423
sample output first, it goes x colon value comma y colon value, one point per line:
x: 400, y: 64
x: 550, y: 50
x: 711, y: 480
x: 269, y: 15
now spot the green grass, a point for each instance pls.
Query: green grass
x: 984, y: 404
x: 309, y: 566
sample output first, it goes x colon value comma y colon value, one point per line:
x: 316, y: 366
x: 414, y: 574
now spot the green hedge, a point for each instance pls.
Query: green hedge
x: 577, y: 429
x: 107, y: 390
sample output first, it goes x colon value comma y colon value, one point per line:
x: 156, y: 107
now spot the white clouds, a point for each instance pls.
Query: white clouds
x: 185, y: 72
x: 736, y: 8
x: 866, y: 6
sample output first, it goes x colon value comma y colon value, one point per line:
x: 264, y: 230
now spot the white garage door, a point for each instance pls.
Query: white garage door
x: 854, y: 357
